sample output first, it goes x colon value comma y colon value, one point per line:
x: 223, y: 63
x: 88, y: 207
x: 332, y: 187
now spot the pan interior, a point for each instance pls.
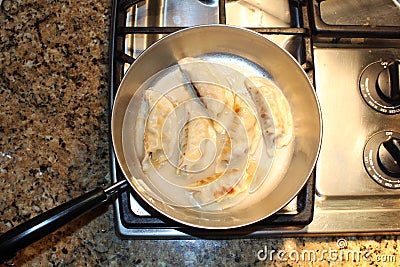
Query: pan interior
x: 288, y: 168
x: 163, y: 183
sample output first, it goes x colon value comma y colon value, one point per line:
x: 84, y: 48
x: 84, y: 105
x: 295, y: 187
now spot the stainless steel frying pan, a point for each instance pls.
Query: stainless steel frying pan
x: 252, y: 51
x: 242, y: 47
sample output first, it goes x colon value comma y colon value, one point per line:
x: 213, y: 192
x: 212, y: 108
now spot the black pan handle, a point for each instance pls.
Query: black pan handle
x: 38, y: 227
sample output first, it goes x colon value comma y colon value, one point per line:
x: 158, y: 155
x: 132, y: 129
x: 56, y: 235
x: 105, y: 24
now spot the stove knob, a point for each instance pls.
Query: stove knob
x: 388, y: 83
x: 382, y: 158
x: 389, y: 157
x: 380, y: 86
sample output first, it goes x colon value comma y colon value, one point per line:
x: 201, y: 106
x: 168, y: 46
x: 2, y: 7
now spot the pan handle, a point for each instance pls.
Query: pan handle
x: 38, y: 227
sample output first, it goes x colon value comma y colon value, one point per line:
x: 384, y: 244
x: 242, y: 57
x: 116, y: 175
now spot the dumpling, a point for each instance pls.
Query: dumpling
x: 211, y: 87
x: 250, y: 122
x: 197, y: 144
x: 225, y: 185
x: 160, y: 129
x: 208, y: 82
x: 264, y: 91
x: 237, y: 161
x: 197, y: 137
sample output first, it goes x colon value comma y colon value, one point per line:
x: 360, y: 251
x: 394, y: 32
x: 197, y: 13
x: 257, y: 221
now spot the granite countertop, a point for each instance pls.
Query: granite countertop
x: 54, y: 145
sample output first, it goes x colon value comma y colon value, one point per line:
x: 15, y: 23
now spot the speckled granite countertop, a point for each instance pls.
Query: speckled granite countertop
x: 54, y: 146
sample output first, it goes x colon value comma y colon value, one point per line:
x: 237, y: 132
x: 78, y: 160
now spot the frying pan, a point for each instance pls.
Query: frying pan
x: 240, y: 47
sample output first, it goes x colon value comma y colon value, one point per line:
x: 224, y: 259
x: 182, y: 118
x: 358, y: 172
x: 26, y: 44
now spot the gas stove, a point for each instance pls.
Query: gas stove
x: 353, y: 62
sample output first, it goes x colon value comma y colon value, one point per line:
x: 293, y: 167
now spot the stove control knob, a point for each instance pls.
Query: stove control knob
x: 389, y: 157
x: 380, y: 86
x: 388, y: 83
x: 382, y: 158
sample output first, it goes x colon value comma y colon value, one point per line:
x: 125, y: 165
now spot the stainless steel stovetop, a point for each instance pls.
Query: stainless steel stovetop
x: 353, y: 62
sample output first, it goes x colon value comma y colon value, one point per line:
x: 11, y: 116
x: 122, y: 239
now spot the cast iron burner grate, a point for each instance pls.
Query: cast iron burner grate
x: 372, y: 19
x: 131, y: 225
